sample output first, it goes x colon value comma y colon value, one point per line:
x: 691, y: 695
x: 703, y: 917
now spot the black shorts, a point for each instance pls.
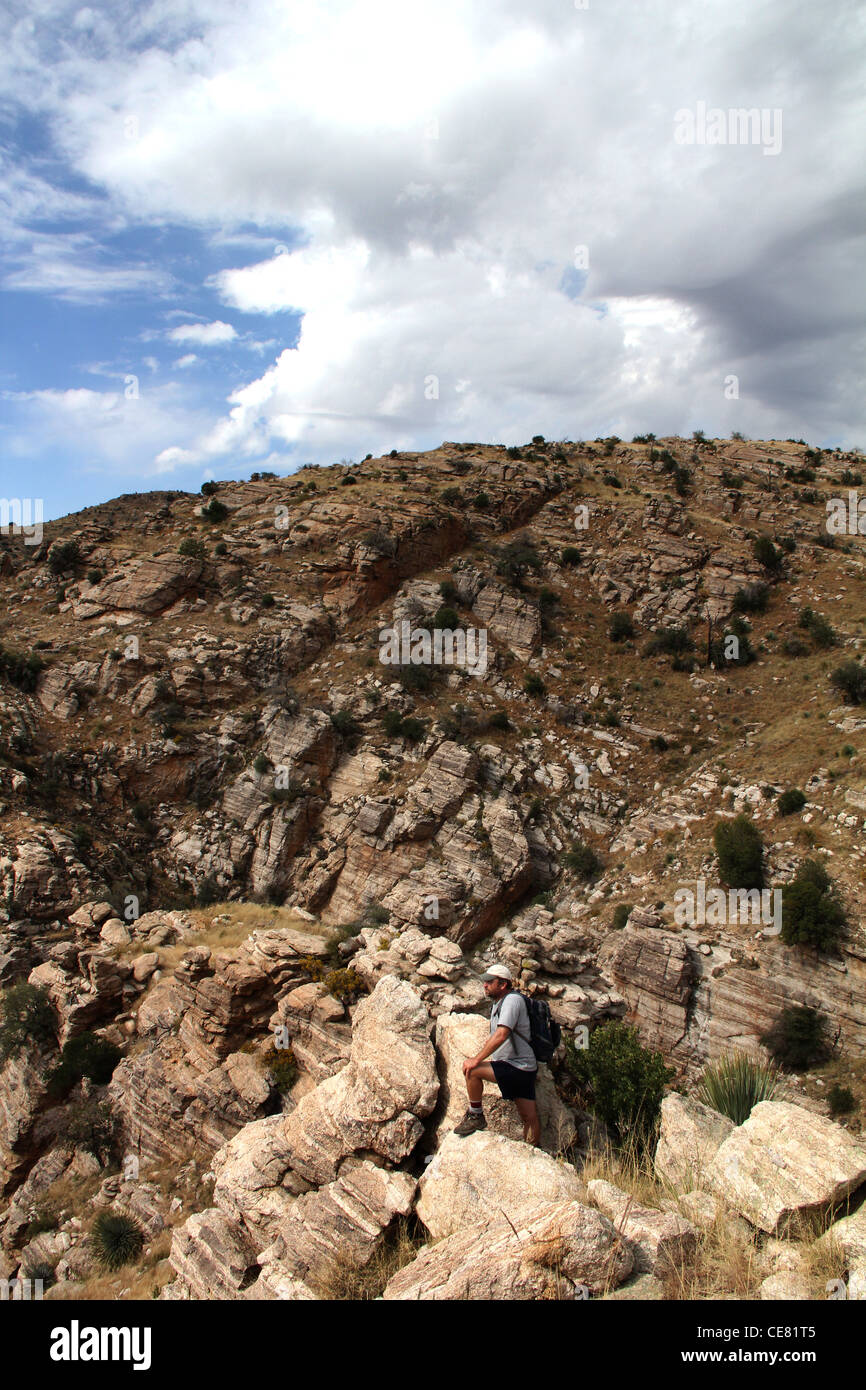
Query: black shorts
x: 513, y: 1082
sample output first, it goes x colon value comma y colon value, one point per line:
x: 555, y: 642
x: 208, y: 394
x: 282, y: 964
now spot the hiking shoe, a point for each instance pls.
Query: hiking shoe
x: 471, y: 1123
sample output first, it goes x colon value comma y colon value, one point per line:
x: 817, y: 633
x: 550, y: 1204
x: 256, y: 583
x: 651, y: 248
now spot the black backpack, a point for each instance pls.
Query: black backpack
x: 544, y: 1032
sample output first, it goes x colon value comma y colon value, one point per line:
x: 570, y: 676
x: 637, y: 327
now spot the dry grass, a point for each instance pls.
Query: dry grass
x: 343, y: 1281
x: 243, y: 919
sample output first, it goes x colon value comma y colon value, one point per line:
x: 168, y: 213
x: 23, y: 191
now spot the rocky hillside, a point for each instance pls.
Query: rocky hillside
x: 222, y: 814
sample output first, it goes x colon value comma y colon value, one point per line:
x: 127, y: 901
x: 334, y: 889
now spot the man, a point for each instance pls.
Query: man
x: 512, y: 1063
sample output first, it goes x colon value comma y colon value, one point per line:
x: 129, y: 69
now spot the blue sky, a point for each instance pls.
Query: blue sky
x: 247, y: 235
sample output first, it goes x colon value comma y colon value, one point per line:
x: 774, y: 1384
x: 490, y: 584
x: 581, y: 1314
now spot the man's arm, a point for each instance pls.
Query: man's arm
x: 495, y: 1040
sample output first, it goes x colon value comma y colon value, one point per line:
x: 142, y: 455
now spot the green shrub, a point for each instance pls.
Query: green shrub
x: 208, y: 892
x: 841, y: 1100
x: 452, y: 496
x: 850, y: 679
x: 819, y: 629
x: 26, y: 1018
x: 268, y: 600
x: 740, y: 850
x: 220, y: 548
x: 89, y: 1124
x: 583, y: 861
x: 534, y: 685
x: 753, y: 598
x: 208, y: 489
x: 621, y: 627
x: 63, y: 556
x: 116, y: 1239
x: 766, y: 553
x: 215, y: 510
x: 570, y: 555
x: 94, y: 576
x: 792, y: 646
x: 261, y: 763
x: 448, y: 590
x: 20, y: 670
x: 417, y: 679
x: 669, y: 641
x: 621, y: 1081
x: 621, y: 915
x: 812, y: 914
x: 790, y: 801
x: 798, y: 1039
x: 84, y: 1055
x: 481, y: 501
x: 282, y: 1068
x: 735, y: 1084
x: 499, y: 720
x: 516, y: 558
x: 447, y: 618
x: 193, y: 547
x: 345, y: 723
x: 392, y: 722
x: 413, y: 729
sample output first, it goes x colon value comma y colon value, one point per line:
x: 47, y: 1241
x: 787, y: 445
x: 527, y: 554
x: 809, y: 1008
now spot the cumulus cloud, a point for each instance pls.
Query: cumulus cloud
x: 483, y: 214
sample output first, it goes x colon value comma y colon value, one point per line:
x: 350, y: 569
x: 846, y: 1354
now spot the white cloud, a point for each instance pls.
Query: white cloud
x: 188, y: 360
x: 204, y: 334
x: 416, y: 178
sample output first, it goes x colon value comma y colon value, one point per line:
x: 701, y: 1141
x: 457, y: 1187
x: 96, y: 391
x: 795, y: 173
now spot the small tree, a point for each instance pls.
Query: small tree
x: 850, y: 679
x: 740, y: 850
x: 26, y: 1017
x: 798, y: 1039
x: 583, y: 861
x: 84, y: 1055
x: 766, y: 553
x: 621, y: 627
x: 811, y: 912
x: 620, y: 1080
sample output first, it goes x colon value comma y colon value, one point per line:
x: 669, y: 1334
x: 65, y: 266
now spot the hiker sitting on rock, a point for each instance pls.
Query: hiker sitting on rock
x: 512, y: 1063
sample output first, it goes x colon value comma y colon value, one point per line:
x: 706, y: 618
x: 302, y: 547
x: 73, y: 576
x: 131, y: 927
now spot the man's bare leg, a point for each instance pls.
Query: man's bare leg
x: 528, y: 1112
x: 476, y: 1079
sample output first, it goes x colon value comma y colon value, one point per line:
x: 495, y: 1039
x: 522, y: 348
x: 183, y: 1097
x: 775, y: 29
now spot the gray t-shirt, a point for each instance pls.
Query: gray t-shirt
x: 511, y: 1012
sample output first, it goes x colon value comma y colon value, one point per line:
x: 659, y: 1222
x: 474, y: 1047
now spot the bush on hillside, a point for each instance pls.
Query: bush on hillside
x: 740, y: 851
x: 620, y: 1081
x: 798, y: 1039
x: 790, y: 801
x: 850, y: 679
x: 84, y: 1055
x: 812, y: 914
x: 26, y: 1018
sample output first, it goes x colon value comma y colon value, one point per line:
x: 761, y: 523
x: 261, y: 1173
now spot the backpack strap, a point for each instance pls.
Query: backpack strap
x: 526, y: 1006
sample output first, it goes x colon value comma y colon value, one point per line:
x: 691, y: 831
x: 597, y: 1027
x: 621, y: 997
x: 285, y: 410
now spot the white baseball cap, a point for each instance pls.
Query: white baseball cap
x: 497, y: 972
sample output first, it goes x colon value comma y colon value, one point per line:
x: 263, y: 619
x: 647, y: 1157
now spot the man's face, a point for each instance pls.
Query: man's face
x: 494, y: 989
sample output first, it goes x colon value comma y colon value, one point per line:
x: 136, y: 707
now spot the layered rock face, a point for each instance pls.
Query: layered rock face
x: 220, y: 726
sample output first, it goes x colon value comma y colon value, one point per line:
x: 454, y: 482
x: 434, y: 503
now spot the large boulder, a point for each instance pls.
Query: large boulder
x: 848, y: 1237
x: 485, y: 1176
x: 553, y: 1250
x: 341, y: 1225
x: 376, y: 1103
x: 784, y: 1165
x: 459, y: 1036
x: 689, y: 1135
x: 253, y: 1177
x: 213, y: 1257
x: 663, y: 1241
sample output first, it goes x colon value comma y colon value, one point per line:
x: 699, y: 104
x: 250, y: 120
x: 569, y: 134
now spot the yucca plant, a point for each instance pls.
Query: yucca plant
x: 116, y: 1239
x: 736, y: 1083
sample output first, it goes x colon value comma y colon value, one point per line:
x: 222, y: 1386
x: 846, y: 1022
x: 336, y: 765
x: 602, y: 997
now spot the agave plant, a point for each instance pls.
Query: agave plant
x: 116, y: 1239
x: 735, y: 1083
